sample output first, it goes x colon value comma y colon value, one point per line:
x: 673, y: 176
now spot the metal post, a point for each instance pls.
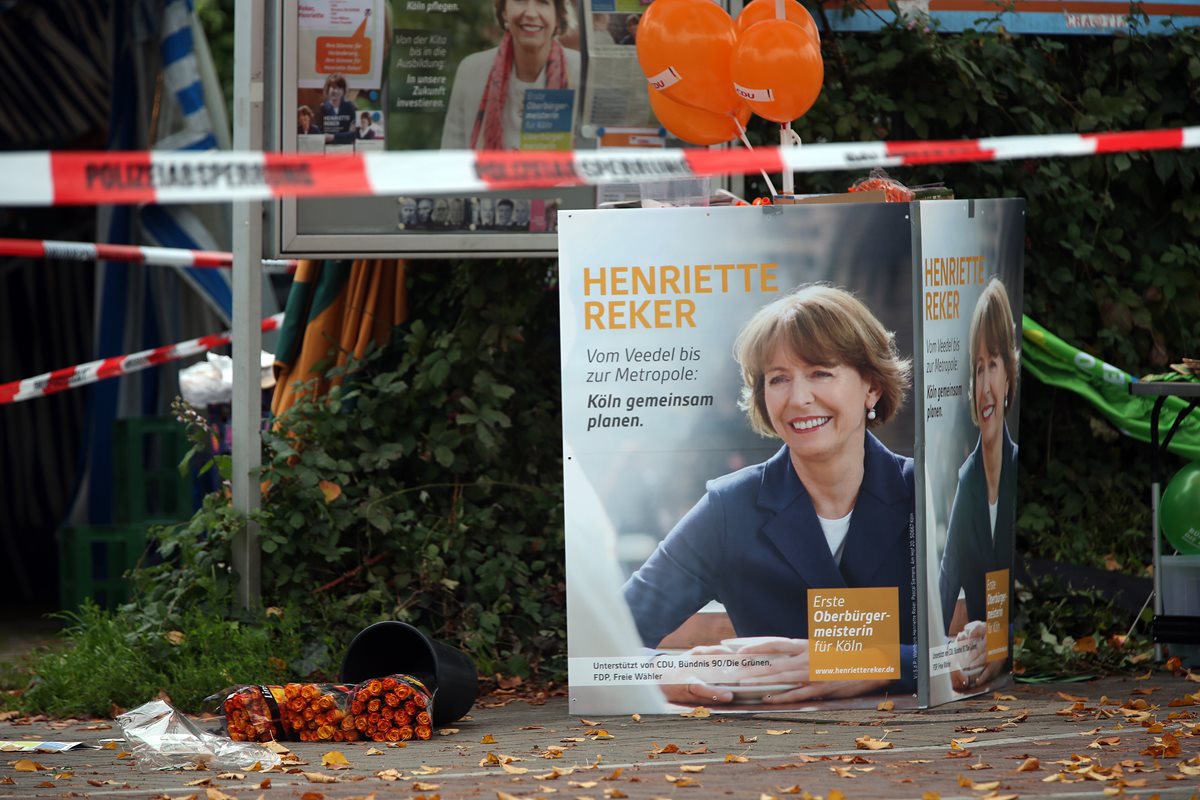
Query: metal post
x: 247, y: 300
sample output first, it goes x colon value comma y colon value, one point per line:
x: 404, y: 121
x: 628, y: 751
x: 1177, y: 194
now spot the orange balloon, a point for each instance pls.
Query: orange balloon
x: 684, y: 48
x: 777, y: 70
x: 759, y: 10
x: 695, y: 125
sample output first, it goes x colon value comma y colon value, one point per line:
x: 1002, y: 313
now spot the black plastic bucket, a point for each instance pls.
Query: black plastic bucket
x: 387, y: 648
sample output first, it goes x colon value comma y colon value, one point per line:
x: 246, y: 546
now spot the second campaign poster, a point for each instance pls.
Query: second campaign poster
x: 969, y: 269
x: 738, y: 430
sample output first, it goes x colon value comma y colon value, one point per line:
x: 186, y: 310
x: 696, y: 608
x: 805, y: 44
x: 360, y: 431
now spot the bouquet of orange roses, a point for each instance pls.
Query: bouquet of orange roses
x: 391, y: 709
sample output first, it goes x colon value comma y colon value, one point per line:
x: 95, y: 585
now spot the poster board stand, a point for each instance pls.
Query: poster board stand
x: 699, y: 569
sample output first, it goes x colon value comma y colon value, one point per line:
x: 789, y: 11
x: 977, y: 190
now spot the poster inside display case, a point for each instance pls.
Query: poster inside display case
x: 360, y: 76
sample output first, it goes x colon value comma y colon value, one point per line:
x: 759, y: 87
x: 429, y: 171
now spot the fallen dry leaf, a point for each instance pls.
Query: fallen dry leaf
x: 425, y: 787
x: 488, y: 739
x: 779, y: 733
x: 699, y: 712
x: 447, y: 731
x: 389, y: 775
x: 978, y: 786
x: 1030, y: 764
x: 511, y: 770
x: 319, y: 777
x: 870, y: 743
x: 886, y: 705
x: 931, y: 796
x: 637, y: 717
x: 199, y: 782
x: 1107, y: 741
x: 217, y: 794
x: 26, y: 765
x: 730, y: 758
x: 700, y: 768
x: 334, y: 760
x: 681, y: 782
x: 582, y: 784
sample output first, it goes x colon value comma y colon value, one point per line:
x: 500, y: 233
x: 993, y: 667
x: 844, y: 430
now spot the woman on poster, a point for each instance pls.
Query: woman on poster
x: 833, y: 508
x: 337, y: 113
x: 487, y: 98
x: 979, y: 536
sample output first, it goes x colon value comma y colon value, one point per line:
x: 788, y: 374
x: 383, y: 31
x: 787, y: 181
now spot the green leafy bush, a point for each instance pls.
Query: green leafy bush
x: 120, y: 661
x: 426, y: 489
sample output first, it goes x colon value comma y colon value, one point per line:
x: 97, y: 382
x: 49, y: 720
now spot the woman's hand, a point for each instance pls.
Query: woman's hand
x: 789, y: 663
x: 970, y: 667
x: 681, y: 685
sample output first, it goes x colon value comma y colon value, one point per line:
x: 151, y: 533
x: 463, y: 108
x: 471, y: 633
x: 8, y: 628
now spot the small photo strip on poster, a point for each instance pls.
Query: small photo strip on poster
x: 481, y: 214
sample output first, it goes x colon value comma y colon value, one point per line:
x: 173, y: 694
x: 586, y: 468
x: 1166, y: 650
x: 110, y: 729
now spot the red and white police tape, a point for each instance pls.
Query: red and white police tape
x: 71, y: 377
x: 75, y: 178
x: 154, y: 256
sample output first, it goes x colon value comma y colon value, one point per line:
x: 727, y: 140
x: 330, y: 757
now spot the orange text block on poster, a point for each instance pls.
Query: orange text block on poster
x: 854, y: 634
x: 350, y: 55
x: 997, y: 615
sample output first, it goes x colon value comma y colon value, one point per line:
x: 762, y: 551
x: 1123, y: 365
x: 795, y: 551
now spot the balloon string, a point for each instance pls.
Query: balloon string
x: 788, y: 138
x: 745, y: 141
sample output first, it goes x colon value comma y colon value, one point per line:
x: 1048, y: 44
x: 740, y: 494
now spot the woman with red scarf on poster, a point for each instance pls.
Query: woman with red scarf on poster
x: 487, y: 99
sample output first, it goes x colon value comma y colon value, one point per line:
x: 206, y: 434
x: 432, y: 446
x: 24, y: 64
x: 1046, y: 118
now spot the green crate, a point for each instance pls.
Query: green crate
x: 147, y: 483
x: 93, y: 560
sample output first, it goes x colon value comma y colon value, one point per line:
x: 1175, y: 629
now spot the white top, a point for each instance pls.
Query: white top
x: 992, y: 516
x: 467, y: 92
x: 835, y: 531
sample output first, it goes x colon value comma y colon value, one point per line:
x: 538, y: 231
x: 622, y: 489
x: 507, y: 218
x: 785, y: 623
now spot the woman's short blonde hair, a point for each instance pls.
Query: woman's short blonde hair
x: 825, y: 326
x: 992, y: 325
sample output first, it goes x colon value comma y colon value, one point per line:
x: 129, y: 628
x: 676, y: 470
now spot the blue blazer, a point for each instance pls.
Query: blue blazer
x: 754, y: 543
x: 970, y: 550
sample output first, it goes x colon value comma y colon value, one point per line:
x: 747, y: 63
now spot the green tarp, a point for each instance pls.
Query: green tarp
x: 1052, y: 361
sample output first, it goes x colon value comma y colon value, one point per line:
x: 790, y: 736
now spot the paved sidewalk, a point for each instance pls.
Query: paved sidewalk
x: 1125, y: 737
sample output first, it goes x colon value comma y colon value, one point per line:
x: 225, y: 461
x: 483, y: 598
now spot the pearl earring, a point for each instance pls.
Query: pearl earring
x: 871, y: 413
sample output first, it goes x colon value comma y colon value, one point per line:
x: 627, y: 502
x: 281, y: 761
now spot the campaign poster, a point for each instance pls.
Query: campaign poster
x: 472, y: 75
x: 741, y: 559
x: 969, y: 278
x: 342, y: 37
